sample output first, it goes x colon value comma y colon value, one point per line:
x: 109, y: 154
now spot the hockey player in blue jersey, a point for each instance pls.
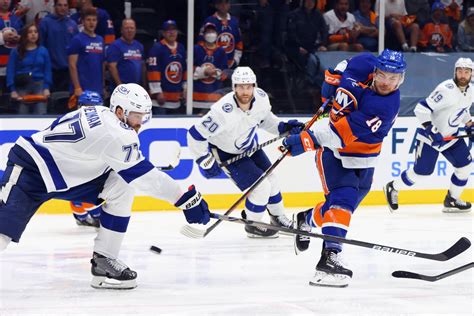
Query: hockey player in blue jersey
x: 89, y: 154
x: 229, y: 129
x: 346, y: 152
x: 442, y: 114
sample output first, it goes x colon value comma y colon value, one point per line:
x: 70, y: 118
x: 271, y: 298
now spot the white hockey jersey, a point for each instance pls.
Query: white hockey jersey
x: 447, y: 107
x: 229, y: 128
x: 82, y: 145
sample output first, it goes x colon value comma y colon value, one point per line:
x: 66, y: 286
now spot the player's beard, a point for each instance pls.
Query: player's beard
x: 245, y: 99
x: 462, y: 82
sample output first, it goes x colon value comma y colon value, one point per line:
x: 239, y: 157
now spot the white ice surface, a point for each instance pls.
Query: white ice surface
x: 227, y: 273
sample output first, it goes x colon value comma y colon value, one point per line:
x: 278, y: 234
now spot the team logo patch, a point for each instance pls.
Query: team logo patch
x: 226, y: 40
x: 261, y: 93
x: 123, y: 90
x: 449, y: 86
x: 227, y: 107
x: 174, y: 72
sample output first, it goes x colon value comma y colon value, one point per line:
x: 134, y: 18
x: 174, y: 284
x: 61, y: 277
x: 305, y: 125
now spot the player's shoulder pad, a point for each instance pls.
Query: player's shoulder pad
x: 119, y: 130
x: 447, y: 85
x: 226, y: 105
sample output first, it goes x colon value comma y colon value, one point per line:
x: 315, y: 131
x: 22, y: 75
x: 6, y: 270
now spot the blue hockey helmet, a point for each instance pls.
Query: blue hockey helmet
x: 391, y: 61
x: 88, y: 98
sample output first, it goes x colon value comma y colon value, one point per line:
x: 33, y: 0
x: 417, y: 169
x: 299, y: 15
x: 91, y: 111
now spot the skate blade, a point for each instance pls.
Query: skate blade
x: 329, y: 280
x: 101, y: 282
x: 449, y: 210
x: 254, y: 236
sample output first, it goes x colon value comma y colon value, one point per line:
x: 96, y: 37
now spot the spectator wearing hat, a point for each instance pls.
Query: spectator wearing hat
x: 210, y: 65
x: 436, y: 35
x: 126, y: 57
x: 166, y: 71
x: 466, y: 32
x: 228, y: 32
x: 56, y: 32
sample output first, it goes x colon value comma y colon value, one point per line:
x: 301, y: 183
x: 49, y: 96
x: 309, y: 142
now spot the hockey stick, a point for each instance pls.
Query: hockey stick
x: 457, y: 137
x: 431, y: 278
x: 192, y: 232
x: 460, y: 246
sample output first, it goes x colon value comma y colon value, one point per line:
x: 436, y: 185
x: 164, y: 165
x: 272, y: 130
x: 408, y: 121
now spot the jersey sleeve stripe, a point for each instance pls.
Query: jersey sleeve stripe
x: 48, y: 159
x: 136, y: 171
x: 425, y: 104
x: 196, y: 135
x: 154, y: 76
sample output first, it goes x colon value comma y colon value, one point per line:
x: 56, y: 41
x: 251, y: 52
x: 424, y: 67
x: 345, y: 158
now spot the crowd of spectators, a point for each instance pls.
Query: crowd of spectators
x: 51, y: 52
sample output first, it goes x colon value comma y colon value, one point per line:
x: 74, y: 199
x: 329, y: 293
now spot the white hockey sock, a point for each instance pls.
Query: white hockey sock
x: 276, y: 209
x: 406, y: 180
x: 455, y: 191
x: 108, y: 242
x: 4, y: 241
x: 253, y: 216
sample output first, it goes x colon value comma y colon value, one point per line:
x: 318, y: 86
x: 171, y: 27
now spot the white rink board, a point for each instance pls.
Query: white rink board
x: 297, y: 174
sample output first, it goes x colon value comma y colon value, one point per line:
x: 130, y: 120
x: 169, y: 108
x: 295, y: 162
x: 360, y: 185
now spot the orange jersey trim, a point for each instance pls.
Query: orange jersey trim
x: 201, y: 96
x: 362, y: 148
x: 344, y: 130
x: 317, y: 218
x: 319, y: 165
x: 172, y: 96
x: 337, y: 215
x: 154, y: 76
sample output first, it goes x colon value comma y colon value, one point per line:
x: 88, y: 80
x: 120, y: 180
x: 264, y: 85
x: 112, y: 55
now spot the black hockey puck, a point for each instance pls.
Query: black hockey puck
x: 155, y: 249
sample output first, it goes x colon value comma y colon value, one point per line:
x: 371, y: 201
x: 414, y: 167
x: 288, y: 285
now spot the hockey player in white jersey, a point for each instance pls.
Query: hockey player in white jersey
x: 442, y: 114
x: 229, y: 129
x: 89, y: 154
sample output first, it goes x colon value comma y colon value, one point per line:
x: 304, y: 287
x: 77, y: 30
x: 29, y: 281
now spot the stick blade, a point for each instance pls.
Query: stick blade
x: 192, y: 232
x: 459, y: 247
x: 405, y: 275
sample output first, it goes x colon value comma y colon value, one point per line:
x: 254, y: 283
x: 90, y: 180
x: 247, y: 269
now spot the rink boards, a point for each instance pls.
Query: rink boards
x: 298, y: 177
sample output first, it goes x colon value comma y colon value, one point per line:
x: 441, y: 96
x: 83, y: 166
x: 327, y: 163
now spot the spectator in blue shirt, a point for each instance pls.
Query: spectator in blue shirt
x: 86, y: 58
x: 56, y: 33
x: 29, y: 73
x: 125, y: 57
x: 367, y: 25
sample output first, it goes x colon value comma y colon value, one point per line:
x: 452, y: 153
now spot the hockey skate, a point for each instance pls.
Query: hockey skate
x: 111, y: 274
x: 452, y: 205
x: 258, y: 231
x: 391, y: 195
x: 301, y: 242
x: 87, y: 220
x: 330, y: 271
x: 281, y: 221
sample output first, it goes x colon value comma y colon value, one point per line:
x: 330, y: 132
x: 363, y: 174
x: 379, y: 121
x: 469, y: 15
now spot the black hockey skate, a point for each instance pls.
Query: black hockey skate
x: 258, y: 231
x: 452, y: 205
x: 87, y: 220
x: 301, y: 242
x: 111, y: 274
x: 330, y: 271
x: 391, y: 195
x: 281, y: 221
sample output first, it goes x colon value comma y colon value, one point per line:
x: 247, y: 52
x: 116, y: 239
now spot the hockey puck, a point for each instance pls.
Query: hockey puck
x: 155, y: 249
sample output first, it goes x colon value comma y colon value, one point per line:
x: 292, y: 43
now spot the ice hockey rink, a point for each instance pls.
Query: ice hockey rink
x: 226, y: 273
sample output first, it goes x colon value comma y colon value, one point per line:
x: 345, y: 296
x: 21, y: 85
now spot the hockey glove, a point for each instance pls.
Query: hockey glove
x: 194, y: 207
x: 298, y: 144
x: 469, y: 130
x: 209, y: 166
x: 435, y: 136
x: 292, y: 126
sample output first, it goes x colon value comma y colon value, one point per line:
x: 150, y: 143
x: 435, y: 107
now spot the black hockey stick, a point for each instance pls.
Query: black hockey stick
x: 193, y: 232
x: 431, y: 278
x: 460, y: 246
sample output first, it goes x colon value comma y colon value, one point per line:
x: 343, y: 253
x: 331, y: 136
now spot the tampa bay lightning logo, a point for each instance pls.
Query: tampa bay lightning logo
x: 455, y: 120
x: 449, y: 86
x: 261, y: 93
x: 227, y: 108
x: 247, y: 140
x: 123, y: 90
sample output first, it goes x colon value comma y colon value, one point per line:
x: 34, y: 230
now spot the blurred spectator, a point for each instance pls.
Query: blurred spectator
x: 210, y: 65
x: 436, y: 35
x: 167, y: 71
x: 307, y: 34
x: 29, y: 73
x: 10, y: 26
x: 86, y: 58
x: 34, y: 10
x: 420, y: 8
x: 366, y: 21
x: 126, y: 57
x: 228, y: 32
x: 272, y: 18
x: 453, y: 10
x: 105, y: 27
x: 398, y: 21
x: 56, y: 32
x: 466, y: 32
x: 343, y: 31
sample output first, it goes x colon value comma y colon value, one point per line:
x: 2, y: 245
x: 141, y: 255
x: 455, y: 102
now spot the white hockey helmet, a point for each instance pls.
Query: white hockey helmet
x: 463, y: 63
x: 131, y: 97
x: 243, y: 75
